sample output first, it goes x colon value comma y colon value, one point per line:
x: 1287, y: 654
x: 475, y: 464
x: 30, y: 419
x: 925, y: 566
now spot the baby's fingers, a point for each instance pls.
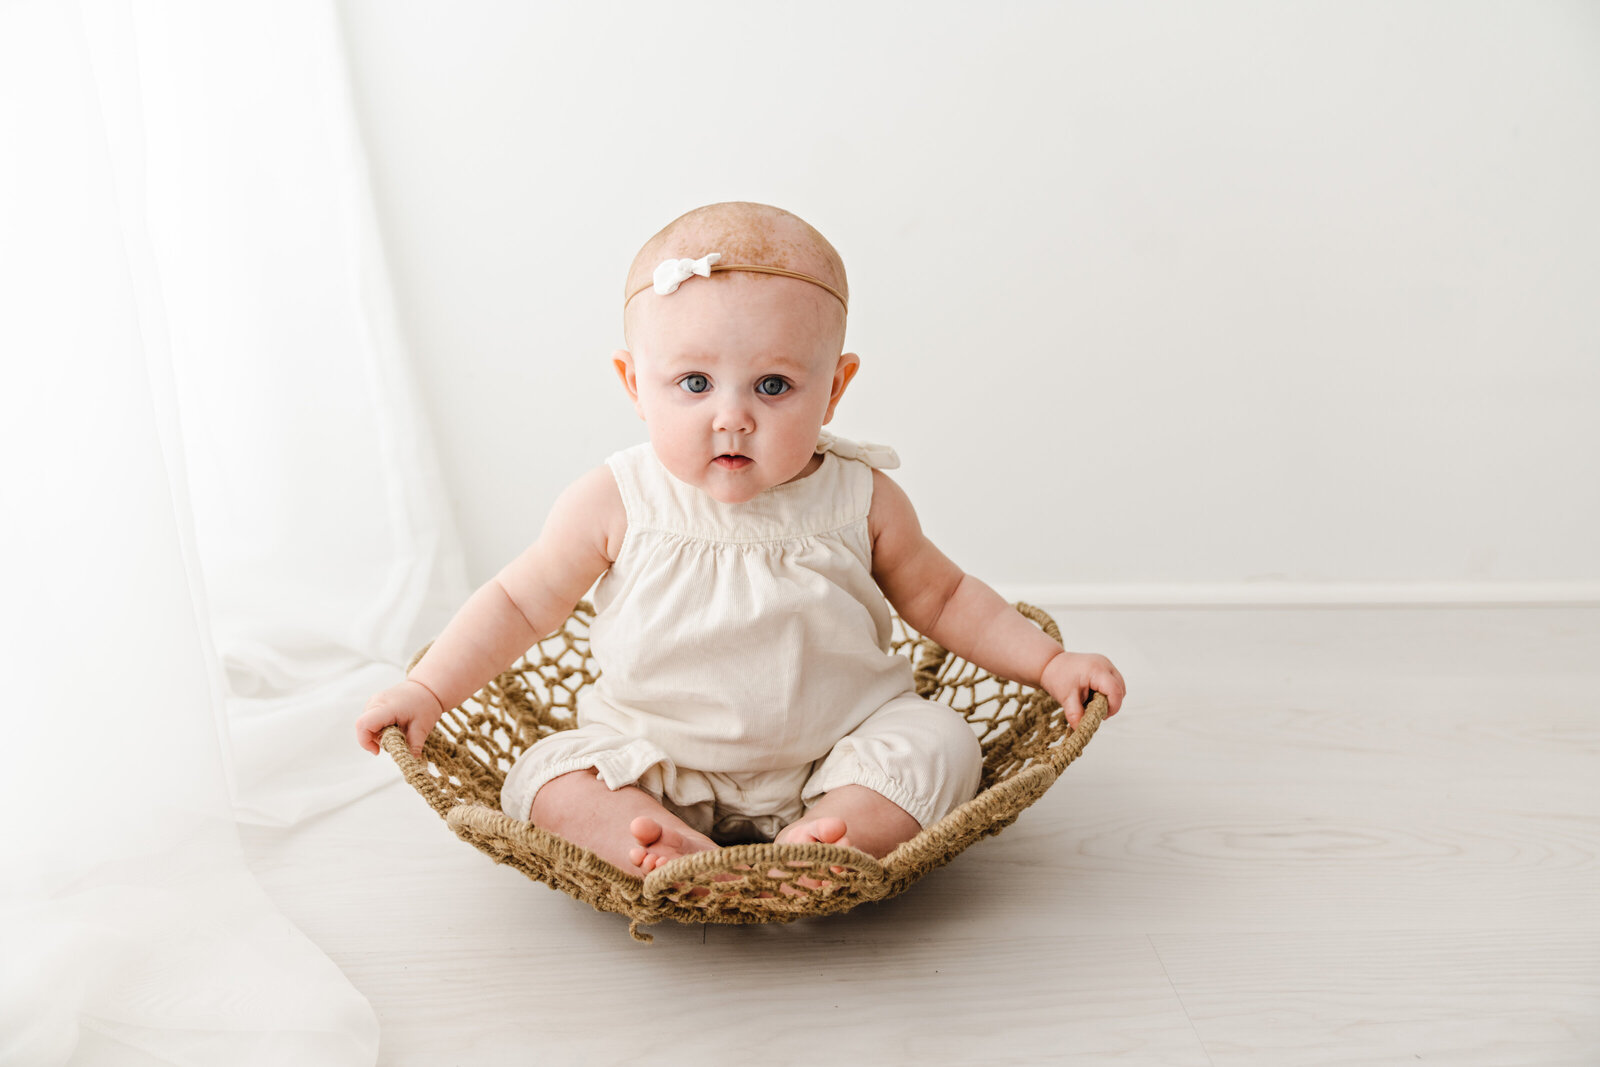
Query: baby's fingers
x: 367, y: 735
x: 1115, y: 689
x: 416, y: 734
x: 370, y: 724
x: 1073, y: 706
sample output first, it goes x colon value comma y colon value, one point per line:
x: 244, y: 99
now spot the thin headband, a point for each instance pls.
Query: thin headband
x: 674, y: 272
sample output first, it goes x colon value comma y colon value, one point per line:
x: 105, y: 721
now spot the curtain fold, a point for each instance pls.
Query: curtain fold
x: 321, y: 520
x: 223, y: 526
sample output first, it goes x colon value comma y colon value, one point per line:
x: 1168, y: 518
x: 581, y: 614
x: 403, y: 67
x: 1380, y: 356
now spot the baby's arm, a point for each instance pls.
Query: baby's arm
x: 526, y: 601
x: 969, y: 618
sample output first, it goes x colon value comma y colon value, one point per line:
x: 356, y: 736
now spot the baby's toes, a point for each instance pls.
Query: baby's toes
x: 645, y: 830
x: 830, y: 831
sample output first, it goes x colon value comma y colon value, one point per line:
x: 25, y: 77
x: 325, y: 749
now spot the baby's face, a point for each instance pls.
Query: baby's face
x: 734, y: 376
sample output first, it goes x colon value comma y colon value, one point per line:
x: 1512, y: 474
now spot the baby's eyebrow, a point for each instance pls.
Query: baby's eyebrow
x: 760, y: 365
x: 783, y: 363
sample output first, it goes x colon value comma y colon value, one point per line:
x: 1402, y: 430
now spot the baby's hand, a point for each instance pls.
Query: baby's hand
x: 408, y: 705
x: 1072, y: 675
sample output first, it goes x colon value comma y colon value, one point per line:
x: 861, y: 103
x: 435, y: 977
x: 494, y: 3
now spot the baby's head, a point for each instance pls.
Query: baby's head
x: 736, y: 372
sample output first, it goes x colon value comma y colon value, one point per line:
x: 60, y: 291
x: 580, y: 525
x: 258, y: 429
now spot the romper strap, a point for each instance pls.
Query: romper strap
x: 881, y: 457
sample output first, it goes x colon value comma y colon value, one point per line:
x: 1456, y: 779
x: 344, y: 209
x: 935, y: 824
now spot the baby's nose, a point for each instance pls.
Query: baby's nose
x: 733, y: 416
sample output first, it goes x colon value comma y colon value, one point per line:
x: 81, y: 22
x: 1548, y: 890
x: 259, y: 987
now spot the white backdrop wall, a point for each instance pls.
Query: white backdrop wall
x: 1166, y: 297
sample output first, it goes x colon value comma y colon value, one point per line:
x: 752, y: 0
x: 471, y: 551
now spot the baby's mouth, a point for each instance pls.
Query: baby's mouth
x: 732, y: 461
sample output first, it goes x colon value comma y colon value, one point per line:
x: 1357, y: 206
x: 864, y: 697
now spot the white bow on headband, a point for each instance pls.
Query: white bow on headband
x: 674, y: 272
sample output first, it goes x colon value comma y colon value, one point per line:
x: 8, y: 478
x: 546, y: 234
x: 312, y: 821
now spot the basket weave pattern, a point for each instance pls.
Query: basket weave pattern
x: 1024, y: 734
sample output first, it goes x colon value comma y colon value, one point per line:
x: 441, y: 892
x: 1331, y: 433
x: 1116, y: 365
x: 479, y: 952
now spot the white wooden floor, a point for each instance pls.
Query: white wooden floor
x: 1313, y: 837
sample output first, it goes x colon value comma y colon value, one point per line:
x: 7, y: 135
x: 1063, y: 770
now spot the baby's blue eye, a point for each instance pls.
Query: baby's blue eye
x: 772, y: 386
x: 695, y: 383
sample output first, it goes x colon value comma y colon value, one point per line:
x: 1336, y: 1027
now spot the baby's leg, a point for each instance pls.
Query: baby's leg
x: 855, y: 816
x: 908, y: 765
x: 627, y: 827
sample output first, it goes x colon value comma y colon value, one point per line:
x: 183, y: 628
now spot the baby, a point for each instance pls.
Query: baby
x: 744, y: 555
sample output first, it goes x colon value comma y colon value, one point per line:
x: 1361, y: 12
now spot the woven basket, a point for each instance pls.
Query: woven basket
x: 1026, y: 745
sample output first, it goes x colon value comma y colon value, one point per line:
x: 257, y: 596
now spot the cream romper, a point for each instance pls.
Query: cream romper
x: 744, y: 660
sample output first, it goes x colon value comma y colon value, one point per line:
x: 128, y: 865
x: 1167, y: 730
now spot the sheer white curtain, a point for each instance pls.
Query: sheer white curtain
x: 321, y: 523
x: 222, y: 523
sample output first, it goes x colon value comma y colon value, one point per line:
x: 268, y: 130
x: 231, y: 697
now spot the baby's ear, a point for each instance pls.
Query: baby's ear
x: 622, y: 363
x: 843, y: 372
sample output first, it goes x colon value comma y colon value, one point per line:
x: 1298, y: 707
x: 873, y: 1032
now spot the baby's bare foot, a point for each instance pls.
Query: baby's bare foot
x: 877, y: 825
x: 659, y: 845
x: 583, y: 809
x: 824, y: 831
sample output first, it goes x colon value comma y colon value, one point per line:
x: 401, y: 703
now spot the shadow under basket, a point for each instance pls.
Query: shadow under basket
x: 1026, y: 745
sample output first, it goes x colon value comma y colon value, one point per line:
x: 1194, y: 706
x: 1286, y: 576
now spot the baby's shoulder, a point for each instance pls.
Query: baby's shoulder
x: 891, y: 511
x: 597, y: 485
x: 591, y: 507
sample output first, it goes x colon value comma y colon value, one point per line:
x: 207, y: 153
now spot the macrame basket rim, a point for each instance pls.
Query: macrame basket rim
x: 756, y: 882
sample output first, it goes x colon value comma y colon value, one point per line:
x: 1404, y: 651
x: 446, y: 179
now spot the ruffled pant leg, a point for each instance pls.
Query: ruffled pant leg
x: 620, y: 761
x: 698, y: 798
x: 920, y: 754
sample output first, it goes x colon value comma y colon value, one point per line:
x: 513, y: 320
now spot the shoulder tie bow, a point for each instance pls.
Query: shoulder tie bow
x: 882, y: 457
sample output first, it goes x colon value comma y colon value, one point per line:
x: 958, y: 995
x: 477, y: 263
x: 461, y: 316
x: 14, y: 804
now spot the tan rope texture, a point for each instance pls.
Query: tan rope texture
x: 1026, y: 745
